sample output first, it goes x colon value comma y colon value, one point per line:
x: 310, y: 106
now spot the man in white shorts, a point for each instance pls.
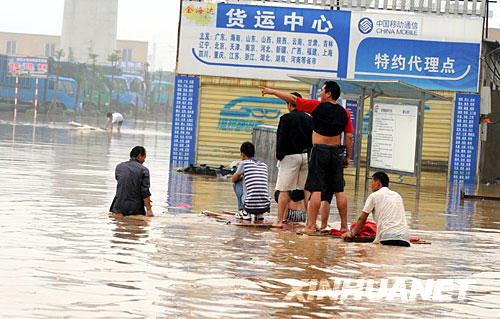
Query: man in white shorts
x: 293, y: 143
x: 114, y: 118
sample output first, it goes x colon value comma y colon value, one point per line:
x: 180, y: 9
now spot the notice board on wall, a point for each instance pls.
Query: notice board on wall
x: 465, y: 130
x: 351, y: 104
x: 184, y: 120
x: 394, y: 135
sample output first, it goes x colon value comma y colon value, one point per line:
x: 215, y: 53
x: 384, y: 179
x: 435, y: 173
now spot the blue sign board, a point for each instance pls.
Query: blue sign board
x: 271, y: 43
x: 432, y: 65
x: 332, y: 23
x: 465, y: 130
x: 352, y: 107
x: 26, y: 66
x: 184, y: 119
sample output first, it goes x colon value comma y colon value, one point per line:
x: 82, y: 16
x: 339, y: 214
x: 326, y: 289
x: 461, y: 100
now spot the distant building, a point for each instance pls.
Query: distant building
x: 42, y: 45
x: 494, y: 34
x: 89, y: 25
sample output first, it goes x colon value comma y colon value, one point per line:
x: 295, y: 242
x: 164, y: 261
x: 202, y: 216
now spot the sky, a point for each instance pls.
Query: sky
x: 155, y: 21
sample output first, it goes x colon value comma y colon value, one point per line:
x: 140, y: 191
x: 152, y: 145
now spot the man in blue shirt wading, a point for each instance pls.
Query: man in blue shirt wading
x: 132, y: 190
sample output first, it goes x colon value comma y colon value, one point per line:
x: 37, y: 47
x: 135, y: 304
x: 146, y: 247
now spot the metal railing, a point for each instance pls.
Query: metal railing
x: 462, y: 7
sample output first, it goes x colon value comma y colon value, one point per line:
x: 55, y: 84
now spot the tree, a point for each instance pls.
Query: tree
x: 113, y: 58
x: 80, y: 78
x: 158, y: 100
x: 93, y: 57
x: 101, y: 86
x: 146, y: 84
x: 57, y: 67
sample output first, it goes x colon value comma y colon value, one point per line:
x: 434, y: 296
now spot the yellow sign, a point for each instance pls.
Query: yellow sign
x: 200, y: 14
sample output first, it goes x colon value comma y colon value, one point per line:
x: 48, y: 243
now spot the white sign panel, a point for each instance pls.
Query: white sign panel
x: 394, y: 130
x: 429, y: 51
x: 269, y: 43
x: 262, y: 42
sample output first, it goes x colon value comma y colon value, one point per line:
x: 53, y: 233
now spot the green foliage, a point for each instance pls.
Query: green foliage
x: 81, y: 76
x: 69, y: 113
x: 142, y: 114
x: 59, y: 55
x: 90, y: 112
x: 95, y: 83
x: 114, y: 57
x: 29, y: 112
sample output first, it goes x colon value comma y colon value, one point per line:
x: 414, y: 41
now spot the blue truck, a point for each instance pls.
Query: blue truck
x: 164, y: 94
x: 120, y: 89
x: 137, y: 89
x: 66, y: 95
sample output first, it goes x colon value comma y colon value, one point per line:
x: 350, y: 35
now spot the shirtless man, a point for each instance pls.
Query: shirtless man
x: 327, y: 162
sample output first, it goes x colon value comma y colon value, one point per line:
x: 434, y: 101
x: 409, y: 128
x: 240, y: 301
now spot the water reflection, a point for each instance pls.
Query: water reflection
x: 129, y: 230
x: 61, y: 254
x: 14, y: 127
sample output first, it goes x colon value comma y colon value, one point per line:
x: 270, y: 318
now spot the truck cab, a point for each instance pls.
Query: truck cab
x: 66, y: 94
x: 162, y: 92
x: 120, y: 90
x: 137, y: 88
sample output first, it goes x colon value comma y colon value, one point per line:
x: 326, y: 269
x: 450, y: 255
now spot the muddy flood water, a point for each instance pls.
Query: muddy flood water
x: 61, y: 255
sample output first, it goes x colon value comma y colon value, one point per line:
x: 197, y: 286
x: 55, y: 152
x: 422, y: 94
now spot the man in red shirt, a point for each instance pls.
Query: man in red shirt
x: 327, y: 161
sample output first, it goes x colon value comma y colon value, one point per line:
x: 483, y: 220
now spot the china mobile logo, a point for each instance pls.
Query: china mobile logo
x: 395, y: 289
x: 365, y: 25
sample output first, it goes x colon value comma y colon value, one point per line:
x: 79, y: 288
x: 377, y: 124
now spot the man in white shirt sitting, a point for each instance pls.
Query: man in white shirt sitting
x: 388, y: 212
x: 114, y: 118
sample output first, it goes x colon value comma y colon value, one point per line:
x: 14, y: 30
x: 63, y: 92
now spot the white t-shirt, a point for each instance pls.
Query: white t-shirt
x: 117, y: 117
x: 389, y: 215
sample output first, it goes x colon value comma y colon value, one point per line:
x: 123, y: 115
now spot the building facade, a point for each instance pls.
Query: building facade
x: 89, y: 26
x: 42, y: 45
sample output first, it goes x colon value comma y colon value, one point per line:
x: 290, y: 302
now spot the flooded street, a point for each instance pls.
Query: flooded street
x: 62, y: 255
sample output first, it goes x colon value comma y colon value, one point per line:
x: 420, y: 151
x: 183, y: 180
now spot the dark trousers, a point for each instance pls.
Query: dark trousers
x: 395, y: 242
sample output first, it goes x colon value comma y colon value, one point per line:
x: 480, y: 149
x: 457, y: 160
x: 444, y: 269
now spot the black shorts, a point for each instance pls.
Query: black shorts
x: 295, y: 195
x: 327, y: 196
x: 326, y: 170
x: 119, y: 123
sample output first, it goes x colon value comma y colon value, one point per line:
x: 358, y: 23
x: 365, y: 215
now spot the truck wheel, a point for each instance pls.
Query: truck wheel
x: 126, y: 108
x: 43, y: 108
x: 90, y: 106
x: 60, y: 108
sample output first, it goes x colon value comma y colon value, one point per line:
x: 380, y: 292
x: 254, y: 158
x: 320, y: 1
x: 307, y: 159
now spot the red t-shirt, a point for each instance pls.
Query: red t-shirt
x: 328, y: 118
